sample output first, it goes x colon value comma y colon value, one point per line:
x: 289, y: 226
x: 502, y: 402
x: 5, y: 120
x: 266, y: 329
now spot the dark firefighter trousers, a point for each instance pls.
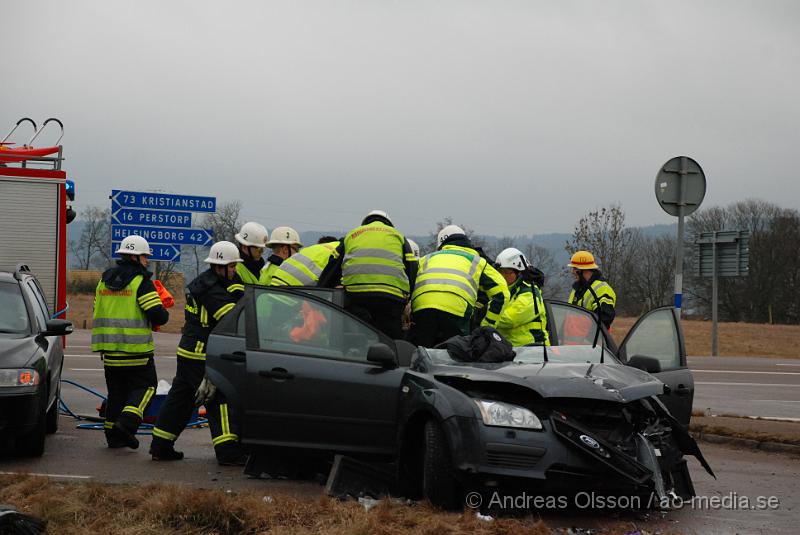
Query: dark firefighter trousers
x: 179, y: 405
x: 130, y: 390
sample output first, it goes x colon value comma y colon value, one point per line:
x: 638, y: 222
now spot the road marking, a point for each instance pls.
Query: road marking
x: 776, y: 400
x: 86, y: 369
x: 782, y: 364
x: 44, y: 475
x: 754, y: 373
x: 748, y: 384
x: 84, y: 355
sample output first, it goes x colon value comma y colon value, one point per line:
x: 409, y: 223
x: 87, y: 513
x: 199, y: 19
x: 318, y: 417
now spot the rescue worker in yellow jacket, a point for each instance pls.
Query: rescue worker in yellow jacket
x: 252, y: 239
x: 284, y: 242
x: 523, y: 321
x: 126, y: 308
x: 210, y: 296
x: 377, y: 269
x: 447, y: 289
x: 590, y: 290
x: 305, y: 267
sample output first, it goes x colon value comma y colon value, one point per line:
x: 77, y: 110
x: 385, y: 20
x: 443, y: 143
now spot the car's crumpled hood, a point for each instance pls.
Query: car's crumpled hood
x: 16, y: 351
x: 610, y: 382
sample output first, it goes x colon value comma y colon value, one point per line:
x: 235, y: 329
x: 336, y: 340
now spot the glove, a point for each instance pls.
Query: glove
x: 205, y: 392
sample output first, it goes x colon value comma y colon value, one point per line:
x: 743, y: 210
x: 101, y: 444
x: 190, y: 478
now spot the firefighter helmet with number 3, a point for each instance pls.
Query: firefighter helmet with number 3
x: 134, y: 245
x: 223, y: 253
x: 252, y: 234
x: 284, y: 236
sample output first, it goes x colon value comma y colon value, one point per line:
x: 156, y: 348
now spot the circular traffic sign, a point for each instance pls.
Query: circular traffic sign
x: 680, y: 186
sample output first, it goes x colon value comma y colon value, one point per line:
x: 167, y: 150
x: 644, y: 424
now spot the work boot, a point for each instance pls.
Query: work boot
x: 164, y: 450
x: 121, y: 438
x: 231, y: 455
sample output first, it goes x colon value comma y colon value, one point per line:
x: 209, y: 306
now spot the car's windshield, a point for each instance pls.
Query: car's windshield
x: 13, y: 314
x: 535, y: 355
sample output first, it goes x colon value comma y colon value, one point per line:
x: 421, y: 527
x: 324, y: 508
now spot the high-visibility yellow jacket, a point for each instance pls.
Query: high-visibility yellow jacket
x: 273, y: 264
x: 449, y: 280
x: 375, y: 261
x: 523, y: 320
x: 305, y: 267
x: 248, y: 277
x: 599, y: 297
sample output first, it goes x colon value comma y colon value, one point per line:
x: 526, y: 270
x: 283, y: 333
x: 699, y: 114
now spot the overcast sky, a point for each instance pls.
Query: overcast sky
x: 511, y: 117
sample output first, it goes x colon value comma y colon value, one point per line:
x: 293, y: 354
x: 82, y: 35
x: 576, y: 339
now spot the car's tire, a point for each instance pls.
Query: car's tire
x: 51, y: 420
x: 438, y: 484
x: 32, y: 444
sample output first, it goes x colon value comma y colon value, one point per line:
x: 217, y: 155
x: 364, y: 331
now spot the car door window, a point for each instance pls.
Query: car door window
x: 290, y: 322
x: 574, y: 326
x: 656, y: 335
x: 13, y: 314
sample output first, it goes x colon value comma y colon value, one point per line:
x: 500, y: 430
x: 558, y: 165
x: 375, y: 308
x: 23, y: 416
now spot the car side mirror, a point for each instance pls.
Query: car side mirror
x: 383, y: 355
x: 57, y: 328
x: 648, y: 364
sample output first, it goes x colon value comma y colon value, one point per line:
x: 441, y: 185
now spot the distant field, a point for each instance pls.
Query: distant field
x: 735, y: 339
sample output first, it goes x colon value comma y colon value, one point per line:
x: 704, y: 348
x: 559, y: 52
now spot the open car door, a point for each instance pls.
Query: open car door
x: 655, y: 344
x: 572, y: 325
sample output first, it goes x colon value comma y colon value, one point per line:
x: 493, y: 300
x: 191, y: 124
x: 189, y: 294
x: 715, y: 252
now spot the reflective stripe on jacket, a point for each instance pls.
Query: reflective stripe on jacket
x: 450, y: 279
x: 248, y: 278
x: 119, y: 323
x: 305, y: 267
x: 604, y: 292
x: 523, y: 320
x: 374, y: 260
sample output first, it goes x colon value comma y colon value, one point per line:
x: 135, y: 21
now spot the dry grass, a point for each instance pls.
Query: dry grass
x: 75, y: 508
x: 735, y: 339
x: 751, y: 428
x: 80, y: 312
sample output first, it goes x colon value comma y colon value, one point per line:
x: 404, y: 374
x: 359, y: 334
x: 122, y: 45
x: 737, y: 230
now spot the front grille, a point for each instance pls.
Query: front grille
x: 511, y: 460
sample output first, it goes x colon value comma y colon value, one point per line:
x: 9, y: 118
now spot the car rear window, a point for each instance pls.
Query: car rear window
x: 13, y: 314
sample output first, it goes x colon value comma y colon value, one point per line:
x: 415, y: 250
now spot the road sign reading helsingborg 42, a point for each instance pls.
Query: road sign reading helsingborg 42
x: 163, y: 219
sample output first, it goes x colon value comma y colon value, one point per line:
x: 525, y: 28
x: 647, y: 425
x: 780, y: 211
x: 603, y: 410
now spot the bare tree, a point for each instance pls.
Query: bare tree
x: 543, y: 259
x: 93, y: 247
x: 225, y: 222
x: 432, y: 245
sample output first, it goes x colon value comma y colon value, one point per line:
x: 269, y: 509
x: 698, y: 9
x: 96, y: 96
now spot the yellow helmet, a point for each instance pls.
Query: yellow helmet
x: 582, y: 260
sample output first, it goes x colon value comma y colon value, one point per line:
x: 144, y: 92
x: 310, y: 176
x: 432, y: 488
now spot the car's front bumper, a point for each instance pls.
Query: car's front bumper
x: 547, y: 459
x: 19, y: 410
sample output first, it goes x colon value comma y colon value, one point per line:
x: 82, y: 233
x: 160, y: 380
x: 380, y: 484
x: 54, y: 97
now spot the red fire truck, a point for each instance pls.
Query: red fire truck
x: 34, y: 211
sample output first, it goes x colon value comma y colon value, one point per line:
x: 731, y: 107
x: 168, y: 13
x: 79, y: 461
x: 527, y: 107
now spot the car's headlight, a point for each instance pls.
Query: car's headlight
x: 19, y: 377
x: 502, y: 414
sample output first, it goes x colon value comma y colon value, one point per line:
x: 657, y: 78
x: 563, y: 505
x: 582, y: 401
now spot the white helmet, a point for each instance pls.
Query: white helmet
x: 134, y: 245
x: 284, y: 236
x: 223, y: 253
x: 376, y: 214
x: 414, y: 247
x: 253, y: 234
x: 446, y: 232
x: 512, y: 258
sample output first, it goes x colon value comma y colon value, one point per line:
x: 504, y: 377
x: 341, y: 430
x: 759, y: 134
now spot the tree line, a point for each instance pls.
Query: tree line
x: 639, y: 266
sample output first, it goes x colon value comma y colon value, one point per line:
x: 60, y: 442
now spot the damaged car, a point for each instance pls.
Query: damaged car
x: 304, y: 375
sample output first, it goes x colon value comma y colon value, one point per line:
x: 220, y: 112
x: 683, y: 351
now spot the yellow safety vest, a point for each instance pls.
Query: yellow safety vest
x: 523, y: 320
x: 305, y: 267
x: 119, y: 323
x: 605, y: 294
x: 374, y: 260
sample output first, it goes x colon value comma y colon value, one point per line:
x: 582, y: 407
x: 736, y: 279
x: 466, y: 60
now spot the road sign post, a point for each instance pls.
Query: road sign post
x: 723, y: 253
x: 680, y: 189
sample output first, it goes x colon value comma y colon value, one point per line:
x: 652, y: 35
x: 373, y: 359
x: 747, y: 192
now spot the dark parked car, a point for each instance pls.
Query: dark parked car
x: 31, y: 358
x: 303, y: 373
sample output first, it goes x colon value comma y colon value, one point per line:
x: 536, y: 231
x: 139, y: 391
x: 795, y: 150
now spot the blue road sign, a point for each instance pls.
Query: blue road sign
x: 188, y: 236
x: 164, y: 252
x: 163, y: 201
x: 158, y: 218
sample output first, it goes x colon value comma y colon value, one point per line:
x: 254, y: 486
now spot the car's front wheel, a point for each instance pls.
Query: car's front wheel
x: 438, y: 484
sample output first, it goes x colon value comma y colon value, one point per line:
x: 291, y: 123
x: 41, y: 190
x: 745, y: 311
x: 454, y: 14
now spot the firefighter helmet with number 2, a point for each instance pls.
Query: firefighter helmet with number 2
x: 252, y: 234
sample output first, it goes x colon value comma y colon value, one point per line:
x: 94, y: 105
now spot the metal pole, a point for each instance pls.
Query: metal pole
x: 679, y: 266
x: 714, y: 299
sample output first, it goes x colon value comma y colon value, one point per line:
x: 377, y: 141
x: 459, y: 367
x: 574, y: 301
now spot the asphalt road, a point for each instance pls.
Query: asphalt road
x: 749, y: 386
